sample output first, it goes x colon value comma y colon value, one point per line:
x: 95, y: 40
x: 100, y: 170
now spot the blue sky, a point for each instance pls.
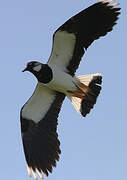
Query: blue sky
x: 93, y: 148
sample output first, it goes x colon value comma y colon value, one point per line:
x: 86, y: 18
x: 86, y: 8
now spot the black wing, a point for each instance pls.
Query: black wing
x: 79, y: 32
x: 40, y: 139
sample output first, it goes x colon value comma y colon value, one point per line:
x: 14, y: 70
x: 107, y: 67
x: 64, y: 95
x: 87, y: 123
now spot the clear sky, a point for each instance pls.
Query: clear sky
x: 93, y: 148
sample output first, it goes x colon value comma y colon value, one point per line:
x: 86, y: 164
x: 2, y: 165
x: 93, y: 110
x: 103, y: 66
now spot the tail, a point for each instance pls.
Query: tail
x: 87, y: 92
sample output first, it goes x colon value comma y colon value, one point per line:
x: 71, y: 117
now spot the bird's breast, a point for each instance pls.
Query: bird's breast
x: 62, y: 81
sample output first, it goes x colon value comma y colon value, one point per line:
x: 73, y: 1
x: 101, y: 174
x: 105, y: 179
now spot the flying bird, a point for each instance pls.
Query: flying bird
x: 57, y: 80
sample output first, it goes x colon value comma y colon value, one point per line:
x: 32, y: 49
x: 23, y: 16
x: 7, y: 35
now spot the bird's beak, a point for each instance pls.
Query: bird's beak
x: 25, y: 69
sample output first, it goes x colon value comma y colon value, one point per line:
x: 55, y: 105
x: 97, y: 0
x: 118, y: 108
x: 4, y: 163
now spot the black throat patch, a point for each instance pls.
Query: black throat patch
x: 45, y: 74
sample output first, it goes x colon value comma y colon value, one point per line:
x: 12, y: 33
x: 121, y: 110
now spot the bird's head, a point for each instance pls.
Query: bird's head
x: 41, y: 71
x: 33, y: 66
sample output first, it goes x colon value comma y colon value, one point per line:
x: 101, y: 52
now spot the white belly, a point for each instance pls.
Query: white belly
x: 62, y: 81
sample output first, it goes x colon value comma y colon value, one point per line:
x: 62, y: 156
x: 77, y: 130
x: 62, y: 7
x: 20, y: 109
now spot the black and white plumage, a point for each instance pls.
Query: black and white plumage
x: 57, y: 79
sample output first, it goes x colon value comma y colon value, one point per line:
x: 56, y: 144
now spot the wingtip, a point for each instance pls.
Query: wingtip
x: 40, y: 174
x: 29, y: 171
x: 34, y: 172
x: 109, y: 1
x: 114, y: 5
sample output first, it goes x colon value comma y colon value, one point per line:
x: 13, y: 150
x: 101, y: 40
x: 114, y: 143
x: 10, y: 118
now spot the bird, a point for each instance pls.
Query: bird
x: 56, y: 80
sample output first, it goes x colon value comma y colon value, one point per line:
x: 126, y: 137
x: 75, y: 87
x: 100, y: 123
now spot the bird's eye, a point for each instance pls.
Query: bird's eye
x: 28, y: 64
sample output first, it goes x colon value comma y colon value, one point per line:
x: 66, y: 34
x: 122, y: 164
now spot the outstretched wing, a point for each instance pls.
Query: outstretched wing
x: 79, y: 32
x: 38, y: 126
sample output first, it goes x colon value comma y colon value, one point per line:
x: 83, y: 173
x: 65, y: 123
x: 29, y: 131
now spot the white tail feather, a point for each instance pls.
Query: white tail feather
x: 86, y: 79
x: 76, y: 102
